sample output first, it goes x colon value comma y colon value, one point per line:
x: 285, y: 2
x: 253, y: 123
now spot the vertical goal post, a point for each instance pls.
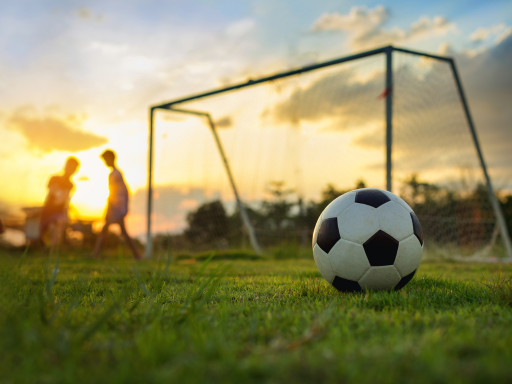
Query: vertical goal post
x: 387, y: 94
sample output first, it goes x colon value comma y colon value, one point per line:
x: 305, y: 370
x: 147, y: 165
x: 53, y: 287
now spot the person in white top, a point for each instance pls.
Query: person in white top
x: 117, y: 207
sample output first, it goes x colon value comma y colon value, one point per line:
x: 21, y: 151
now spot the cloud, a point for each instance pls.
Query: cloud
x: 359, y: 18
x: 50, y: 133
x: 365, y: 27
x: 430, y: 132
x: 107, y: 48
x: 503, y: 35
x: 224, y: 122
x: 498, y: 31
x: 240, y: 27
x: 425, y: 26
x: 86, y: 14
x: 337, y: 97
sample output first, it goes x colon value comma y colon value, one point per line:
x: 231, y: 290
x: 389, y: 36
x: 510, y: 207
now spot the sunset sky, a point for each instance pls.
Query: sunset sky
x: 77, y: 77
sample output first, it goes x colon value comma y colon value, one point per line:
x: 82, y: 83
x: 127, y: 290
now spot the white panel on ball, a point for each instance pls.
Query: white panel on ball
x: 323, y: 264
x: 398, y: 200
x: 358, y: 223
x: 408, y: 256
x: 317, y: 226
x: 337, y: 206
x: 380, y: 278
x: 395, y: 220
x: 348, y: 260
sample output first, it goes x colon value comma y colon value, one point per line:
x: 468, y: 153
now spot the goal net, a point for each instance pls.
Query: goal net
x: 295, y: 143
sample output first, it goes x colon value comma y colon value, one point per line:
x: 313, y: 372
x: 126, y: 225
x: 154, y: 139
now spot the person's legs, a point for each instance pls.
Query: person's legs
x: 129, y: 240
x: 59, y: 226
x: 44, y: 226
x: 99, y: 241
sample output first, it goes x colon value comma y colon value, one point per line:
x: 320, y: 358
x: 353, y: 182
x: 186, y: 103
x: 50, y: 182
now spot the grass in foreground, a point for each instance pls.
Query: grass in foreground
x: 247, y: 321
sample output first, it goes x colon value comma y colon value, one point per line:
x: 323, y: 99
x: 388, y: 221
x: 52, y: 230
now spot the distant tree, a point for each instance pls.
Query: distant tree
x: 329, y: 193
x: 360, y: 184
x: 415, y: 191
x: 278, y: 209
x: 208, y: 223
x: 256, y: 216
x: 450, y: 215
x: 167, y: 243
x: 312, y: 210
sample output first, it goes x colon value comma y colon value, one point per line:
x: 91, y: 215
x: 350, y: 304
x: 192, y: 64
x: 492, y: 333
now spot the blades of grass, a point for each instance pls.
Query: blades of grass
x: 46, y: 266
x: 50, y: 283
x: 134, y: 306
x: 169, y: 256
x: 54, y: 313
x: 148, y: 312
x: 23, y: 256
x: 501, y: 288
x: 141, y: 283
x: 197, y: 298
x: 120, y: 254
x: 205, y: 264
x: 157, y: 275
x: 215, y: 280
x: 162, y: 272
x: 41, y: 303
x: 90, y: 331
x: 55, y: 270
x: 70, y: 309
x: 191, y: 296
x: 213, y: 286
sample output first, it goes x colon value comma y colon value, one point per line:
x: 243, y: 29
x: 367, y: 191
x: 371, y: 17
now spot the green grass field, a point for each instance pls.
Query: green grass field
x: 116, y: 321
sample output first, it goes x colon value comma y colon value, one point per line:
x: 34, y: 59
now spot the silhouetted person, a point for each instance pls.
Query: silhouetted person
x: 117, y: 207
x: 54, y: 215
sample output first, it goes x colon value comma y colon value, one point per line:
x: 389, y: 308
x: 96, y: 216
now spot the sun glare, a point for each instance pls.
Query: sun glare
x: 91, y: 194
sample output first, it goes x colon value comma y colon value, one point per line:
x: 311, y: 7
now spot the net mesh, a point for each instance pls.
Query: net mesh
x: 296, y: 143
x: 436, y: 163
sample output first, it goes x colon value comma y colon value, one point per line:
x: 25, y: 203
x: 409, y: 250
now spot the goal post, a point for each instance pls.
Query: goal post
x: 492, y: 196
x: 389, y: 117
x: 408, y: 89
x: 241, y: 208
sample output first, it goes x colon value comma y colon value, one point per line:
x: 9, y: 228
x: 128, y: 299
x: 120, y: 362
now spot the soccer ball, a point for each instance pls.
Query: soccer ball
x: 368, y: 239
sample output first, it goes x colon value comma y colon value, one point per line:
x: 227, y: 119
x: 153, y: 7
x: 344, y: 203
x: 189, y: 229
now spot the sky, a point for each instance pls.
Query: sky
x: 77, y: 78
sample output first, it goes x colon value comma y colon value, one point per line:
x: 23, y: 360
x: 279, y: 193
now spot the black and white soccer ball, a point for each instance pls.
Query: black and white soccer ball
x: 368, y: 239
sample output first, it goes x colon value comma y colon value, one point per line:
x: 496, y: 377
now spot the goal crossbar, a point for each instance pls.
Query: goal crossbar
x: 297, y: 71
x: 387, y: 50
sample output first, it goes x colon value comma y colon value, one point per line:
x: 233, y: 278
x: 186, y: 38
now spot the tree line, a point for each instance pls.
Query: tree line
x: 460, y: 216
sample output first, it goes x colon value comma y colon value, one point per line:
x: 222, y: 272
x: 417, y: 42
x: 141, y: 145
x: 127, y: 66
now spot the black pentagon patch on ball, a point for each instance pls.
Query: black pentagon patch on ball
x: 372, y: 197
x: 403, y: 282
x: 344, y: 285
x: 381, y: 249
x: 417, y: 228
x: 328, y: 234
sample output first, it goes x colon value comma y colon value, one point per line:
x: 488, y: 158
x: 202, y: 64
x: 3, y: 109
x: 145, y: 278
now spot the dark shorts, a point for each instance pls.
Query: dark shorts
x: 47, y: 220
x: 115, y: 214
